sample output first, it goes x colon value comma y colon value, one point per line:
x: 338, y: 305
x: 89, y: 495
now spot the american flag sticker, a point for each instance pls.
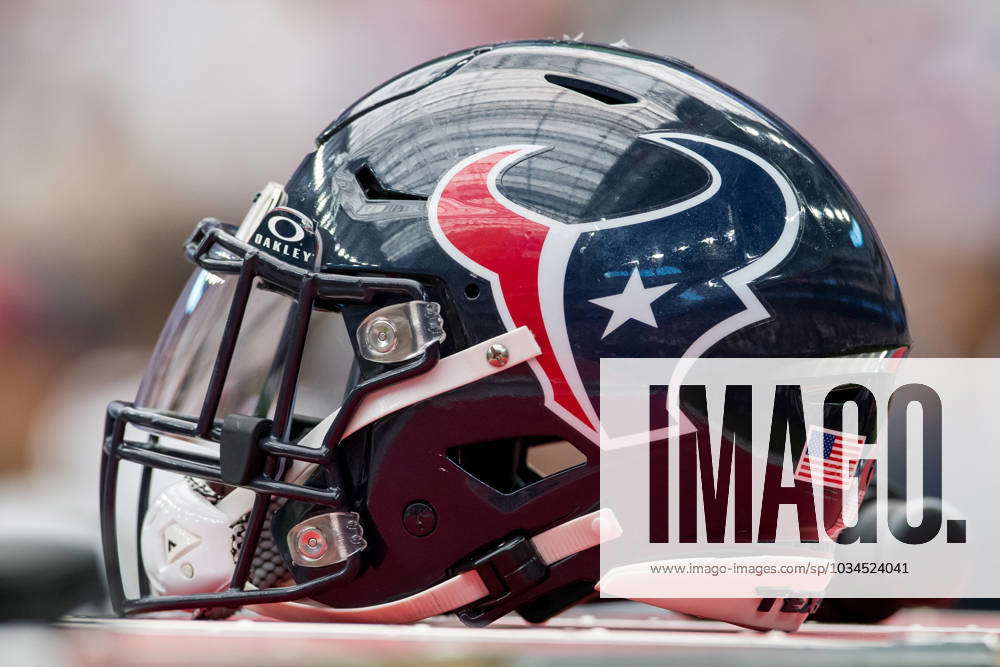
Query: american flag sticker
x: 831, y: 457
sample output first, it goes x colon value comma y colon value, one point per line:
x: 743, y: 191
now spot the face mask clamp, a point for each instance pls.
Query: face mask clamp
x: 400, y: 332
x: 326, y: 539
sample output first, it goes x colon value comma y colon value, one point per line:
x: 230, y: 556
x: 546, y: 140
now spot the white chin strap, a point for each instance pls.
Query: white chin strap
x: 552, y: 545
x: 184, y: 541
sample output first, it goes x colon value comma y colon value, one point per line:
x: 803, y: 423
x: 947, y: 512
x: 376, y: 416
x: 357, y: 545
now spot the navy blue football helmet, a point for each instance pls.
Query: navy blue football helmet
x: 377, y: 397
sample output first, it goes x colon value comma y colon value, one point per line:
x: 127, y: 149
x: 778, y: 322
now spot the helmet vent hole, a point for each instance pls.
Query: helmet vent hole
x: 510, y: 465
x: 372, y: 187
x: 472, y: 291
x: 595, y: 91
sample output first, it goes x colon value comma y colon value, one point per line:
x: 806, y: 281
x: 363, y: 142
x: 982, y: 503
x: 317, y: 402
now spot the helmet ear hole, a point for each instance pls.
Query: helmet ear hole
x: 472, y: 291
x: 510, y: 465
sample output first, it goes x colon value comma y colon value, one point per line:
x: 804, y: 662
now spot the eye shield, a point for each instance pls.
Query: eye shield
x: 280, y: 247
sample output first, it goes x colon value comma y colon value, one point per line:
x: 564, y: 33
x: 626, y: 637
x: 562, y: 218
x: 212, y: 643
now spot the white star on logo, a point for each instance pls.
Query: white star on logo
x: 632, y: 304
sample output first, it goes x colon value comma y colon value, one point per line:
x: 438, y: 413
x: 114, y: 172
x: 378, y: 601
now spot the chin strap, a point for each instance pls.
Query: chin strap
x: 553, y: 545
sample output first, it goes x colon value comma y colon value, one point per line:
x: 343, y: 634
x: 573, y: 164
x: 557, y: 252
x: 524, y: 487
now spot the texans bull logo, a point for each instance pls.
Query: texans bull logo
x: 605, y: 288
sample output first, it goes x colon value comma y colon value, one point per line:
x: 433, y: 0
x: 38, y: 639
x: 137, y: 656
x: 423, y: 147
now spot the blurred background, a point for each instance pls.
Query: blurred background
x: 122, y: 124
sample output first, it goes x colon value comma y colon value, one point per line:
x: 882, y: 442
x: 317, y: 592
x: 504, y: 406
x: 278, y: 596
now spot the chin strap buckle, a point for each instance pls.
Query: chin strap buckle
x: 512, y: 567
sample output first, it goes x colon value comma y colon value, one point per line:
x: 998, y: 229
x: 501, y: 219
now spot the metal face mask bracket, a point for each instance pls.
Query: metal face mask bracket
x: 326, y: 539
x: 400, y: 332
x: 271, y: 196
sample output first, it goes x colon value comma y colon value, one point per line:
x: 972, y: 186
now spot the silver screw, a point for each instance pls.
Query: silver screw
x: 381, y: 336
x: 187, y: 570
x: 311, y: 543
x: 497, y: 355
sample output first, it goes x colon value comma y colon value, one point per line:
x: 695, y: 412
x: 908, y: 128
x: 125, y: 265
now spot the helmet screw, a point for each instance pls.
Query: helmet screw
x: 381, y: 336
x: 419, y: 518
x: 497, y: 355
x: 187, y: 569
x: 311, y: 543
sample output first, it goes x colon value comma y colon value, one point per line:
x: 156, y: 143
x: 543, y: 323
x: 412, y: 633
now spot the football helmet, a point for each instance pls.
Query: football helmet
x: 377, y: 397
